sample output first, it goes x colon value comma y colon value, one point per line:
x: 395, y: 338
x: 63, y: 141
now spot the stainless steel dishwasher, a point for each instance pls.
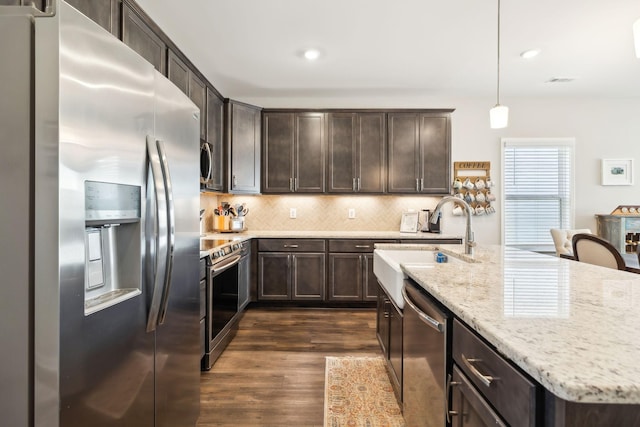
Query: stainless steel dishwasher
x: 425, y: 344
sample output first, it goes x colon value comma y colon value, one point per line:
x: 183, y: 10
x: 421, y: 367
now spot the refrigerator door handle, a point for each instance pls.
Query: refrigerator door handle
x: 160, y: 221
x: 171, y: 231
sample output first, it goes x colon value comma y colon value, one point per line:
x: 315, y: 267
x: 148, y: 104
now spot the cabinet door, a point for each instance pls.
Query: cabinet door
x: 245, y: 149
x: 342, y: 152
x: 139, y: 37
x: 309, y: 164
x: 198, y: 94
x: 470, y: 409
x: 178, y: 72
x: 345, y: 277
x: 369, y: 281
x: 395, y: 346
x: 277, y: 152
x: 382, y: 321
x: 215, y: 137
x: 404, y: 149
x: 435, y: 144
x: 308, y: 275
x: 274, y: 278
x: 371, y: 158
x: 105, y: 13
x: 244, y: 280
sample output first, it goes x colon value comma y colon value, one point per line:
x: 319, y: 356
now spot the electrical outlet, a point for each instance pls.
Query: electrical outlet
x: 293, y: 213
x: 352, y: 213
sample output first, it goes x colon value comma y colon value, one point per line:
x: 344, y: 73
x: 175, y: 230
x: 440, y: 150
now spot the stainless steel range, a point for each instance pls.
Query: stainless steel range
x: 221, y: 294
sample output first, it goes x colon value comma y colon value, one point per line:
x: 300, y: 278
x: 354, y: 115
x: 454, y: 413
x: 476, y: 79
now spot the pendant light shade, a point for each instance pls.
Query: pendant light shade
x: 499, y: 115
x: 636, y: 36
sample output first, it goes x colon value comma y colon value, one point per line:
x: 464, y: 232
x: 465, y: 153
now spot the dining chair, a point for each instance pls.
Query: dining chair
x: 562, y: 240
x: 592, y: 249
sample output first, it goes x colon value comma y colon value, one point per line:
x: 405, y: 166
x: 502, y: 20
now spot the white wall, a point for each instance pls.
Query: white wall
x: 602, y: 128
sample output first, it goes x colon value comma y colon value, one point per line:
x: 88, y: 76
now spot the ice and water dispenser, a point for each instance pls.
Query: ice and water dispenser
x: 113, y: 244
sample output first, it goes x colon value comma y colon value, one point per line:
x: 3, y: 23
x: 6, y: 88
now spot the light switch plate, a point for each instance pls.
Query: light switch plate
x: 293, y: 213
x: 352, y: 213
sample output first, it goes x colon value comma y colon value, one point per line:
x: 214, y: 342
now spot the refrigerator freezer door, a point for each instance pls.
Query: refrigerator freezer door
x: 106, y: 105
x: 177, y: 338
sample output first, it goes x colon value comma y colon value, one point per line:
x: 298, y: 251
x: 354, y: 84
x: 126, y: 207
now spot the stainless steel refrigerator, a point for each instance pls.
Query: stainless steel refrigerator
x: 99, y: 188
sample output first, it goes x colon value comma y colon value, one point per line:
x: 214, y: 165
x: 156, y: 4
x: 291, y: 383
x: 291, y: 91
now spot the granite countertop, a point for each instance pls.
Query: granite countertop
x: 573, y: 327
x: 395, y: 235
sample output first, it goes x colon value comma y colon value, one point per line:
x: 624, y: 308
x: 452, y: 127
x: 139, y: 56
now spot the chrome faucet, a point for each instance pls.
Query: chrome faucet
x: 469, y: 243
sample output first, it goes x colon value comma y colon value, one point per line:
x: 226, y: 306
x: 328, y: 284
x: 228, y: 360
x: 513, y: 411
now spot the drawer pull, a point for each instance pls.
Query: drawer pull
x: 290, y: 246
x: 363, y: 246
x: 450, y: 385
x: 484, y: 379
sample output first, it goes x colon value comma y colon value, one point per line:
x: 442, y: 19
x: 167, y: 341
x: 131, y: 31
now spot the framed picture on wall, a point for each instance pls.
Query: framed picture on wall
x: 617, y: 171
x: 409, y: 223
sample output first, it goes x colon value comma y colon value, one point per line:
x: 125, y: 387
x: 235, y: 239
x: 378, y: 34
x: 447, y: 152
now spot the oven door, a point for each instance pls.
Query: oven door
x: 224, y: 294
x: 206, y: 164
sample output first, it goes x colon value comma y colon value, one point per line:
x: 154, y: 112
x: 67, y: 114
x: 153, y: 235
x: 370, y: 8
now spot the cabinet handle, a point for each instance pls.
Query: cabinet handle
x: 363, y: 246
x: 290, y: 246
x: 358, y: 184
x: 417, y: 184
x: 234, y: 181
x: 295, y: 184
x: 421, y: 184
x: 291, y: 184
x: 484, y: 379
x: 450, y: 385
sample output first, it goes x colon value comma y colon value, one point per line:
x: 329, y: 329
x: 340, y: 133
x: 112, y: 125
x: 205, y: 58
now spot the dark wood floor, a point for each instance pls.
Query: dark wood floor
x: 272, y: 373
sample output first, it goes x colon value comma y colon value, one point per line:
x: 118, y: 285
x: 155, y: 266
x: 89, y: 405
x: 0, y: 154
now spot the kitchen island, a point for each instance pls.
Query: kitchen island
x: 572, y: 327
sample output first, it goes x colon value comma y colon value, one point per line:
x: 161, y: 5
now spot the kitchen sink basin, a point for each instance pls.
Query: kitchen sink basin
x: 386, y: 267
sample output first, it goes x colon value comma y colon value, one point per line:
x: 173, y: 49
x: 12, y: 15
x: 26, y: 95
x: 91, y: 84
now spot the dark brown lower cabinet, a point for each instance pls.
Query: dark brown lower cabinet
x: 389, y: 333
x: 291, y: 276
x: 468, y: 407
x: 351, y: 276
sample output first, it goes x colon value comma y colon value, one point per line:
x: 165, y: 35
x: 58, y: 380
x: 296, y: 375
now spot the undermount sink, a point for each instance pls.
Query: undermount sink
x: 386, y: 267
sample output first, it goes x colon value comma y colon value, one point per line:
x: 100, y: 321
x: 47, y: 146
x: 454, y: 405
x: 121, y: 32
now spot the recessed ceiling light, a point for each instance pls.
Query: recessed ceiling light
x: 560, y: 80
x: 312, y: 54
x: 531, y: 53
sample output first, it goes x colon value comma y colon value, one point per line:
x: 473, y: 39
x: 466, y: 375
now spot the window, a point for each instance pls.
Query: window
x: 538, y: 191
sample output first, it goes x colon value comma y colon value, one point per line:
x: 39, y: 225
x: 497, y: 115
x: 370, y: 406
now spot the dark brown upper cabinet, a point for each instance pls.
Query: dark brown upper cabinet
x: 419, y: 153
x: 357, y: 152
x: 178, y: 72
x: 198, y: 94
x: 105, y: 13
x: 215, y: 137
x: 294, y: 152
x: 140, y: 37
x: 244, y: 133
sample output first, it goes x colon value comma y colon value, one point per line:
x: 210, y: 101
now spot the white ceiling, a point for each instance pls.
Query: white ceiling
x: 252, y: 48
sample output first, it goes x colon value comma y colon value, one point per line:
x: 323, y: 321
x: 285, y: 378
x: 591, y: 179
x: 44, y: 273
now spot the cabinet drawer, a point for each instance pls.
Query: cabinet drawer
x: 291, y: 245
x: 351, y: 245
x: 510, y: 392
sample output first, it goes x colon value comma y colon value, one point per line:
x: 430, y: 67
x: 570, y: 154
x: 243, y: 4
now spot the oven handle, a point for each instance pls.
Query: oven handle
x: 226, y: 264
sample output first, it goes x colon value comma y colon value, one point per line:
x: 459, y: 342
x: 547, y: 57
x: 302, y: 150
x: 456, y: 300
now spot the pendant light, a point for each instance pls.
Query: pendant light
x: 636, y: 36
x: 499, y: 115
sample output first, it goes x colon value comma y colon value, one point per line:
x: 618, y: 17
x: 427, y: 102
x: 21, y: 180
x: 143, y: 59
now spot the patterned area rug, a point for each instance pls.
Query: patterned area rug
x: 357, y: 393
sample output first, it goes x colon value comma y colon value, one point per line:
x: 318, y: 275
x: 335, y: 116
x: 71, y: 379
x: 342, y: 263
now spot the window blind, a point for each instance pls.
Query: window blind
x: 538, y: 187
